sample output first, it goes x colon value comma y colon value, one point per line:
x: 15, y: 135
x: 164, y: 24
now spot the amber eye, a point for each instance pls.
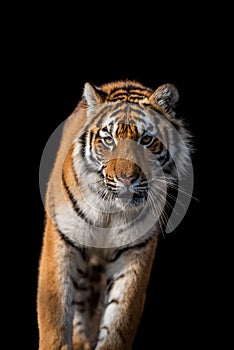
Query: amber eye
x: 146, y: 140
x: 108, y: 141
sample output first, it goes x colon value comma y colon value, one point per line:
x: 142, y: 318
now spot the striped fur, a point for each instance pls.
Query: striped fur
x: 108, y: 199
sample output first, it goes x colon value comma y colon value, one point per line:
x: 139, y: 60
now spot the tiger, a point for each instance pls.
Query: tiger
x: 110, y: 193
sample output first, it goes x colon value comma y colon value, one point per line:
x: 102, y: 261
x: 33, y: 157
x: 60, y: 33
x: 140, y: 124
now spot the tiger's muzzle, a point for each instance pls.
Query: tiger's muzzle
x: 126, y: 180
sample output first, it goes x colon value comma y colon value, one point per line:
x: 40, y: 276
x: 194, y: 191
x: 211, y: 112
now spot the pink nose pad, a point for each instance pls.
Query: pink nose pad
x: 127, y: 180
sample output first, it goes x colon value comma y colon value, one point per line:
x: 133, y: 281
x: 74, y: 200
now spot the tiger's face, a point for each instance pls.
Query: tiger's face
x: 130, y: 148
x: 127, y: 153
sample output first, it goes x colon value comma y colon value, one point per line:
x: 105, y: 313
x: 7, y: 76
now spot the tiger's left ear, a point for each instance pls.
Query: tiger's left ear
x: 93, y: 97
x: 166, y: 97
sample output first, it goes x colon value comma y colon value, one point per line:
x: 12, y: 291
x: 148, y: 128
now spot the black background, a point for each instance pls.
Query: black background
x: 59, y: 60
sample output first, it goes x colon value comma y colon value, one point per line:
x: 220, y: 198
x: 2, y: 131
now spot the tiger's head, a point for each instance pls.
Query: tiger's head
x: 131, y: 146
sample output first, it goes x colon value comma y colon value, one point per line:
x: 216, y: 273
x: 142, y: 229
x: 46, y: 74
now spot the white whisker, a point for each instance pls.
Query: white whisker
x: 164, y: 194
x: 175, y: 185
x: 158, y: 210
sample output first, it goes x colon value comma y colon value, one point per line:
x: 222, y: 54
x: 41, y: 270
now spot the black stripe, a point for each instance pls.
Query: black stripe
x: 164, y: 159
x: 137, y: 93
x: 113, y: 301
x: 122, y: 95
x: 119, y: 110
x: 83, y: 144
x: 101, y: 115
x: 106, y: 328
x: 74, y: 283
x: 97, y: 120
x: 78, y: 286
x: 78, y: 303
x: 67, y: 240
x: 91, y: 136
x: 156, y: 147
x: 110, y: 282
x: 137, y: 108
x: 75, y: 206
x: 119, y: 97
x: 130, y: 87
x: 81, y: 272
x: 123, y: 250
x: 167, y: 170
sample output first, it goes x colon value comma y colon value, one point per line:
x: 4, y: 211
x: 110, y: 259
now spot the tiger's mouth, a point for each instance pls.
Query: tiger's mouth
x: 132, y: 198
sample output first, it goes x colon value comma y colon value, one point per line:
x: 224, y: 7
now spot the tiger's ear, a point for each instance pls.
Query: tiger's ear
x: 93, y: 97
x: 166, y: 97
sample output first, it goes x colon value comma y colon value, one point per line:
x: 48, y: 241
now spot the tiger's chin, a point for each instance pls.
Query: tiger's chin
x: 129, y: 199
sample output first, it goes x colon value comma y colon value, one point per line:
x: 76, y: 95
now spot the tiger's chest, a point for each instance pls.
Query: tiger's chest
x: 105, y: 230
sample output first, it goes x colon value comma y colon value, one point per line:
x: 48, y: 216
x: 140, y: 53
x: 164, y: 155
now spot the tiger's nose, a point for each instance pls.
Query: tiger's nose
x: 127, y: 180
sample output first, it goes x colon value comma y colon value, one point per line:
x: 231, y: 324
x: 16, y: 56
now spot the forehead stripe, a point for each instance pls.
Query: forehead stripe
x: 100, y: 116
x: 127, y: 130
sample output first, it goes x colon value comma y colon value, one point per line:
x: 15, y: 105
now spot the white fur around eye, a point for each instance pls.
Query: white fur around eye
x: 147, y: 139
x: 108, y: 141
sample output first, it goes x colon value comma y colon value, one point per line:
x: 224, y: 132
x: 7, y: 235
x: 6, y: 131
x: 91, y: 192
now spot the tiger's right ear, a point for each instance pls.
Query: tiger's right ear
x: 93, y: 97
x: 166, y: 96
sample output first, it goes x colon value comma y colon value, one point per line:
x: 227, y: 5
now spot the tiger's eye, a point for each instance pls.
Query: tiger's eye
x: 146, y: 140
x: 108, y: 141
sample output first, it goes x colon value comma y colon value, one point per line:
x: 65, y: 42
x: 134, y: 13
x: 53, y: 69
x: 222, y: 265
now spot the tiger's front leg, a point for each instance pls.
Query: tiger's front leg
x: 128, y: 274
x: 56, y: 291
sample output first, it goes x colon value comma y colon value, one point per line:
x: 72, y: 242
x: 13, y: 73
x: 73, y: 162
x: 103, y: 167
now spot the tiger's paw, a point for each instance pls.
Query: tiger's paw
x: 80, y: 343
